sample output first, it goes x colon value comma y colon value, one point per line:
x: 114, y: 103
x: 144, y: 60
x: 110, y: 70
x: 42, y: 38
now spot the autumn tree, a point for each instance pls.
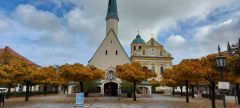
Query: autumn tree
x: 169, y: 79
x: 187, y: 71
x: 211, y: 74
x: 234, y: 76
x: 80, y: 73
x: 234, y: 65
x: 10, y: 69
x: 63, y: 82
x: 27, y: 77
x: 46, y: 76
x: 134, y: 73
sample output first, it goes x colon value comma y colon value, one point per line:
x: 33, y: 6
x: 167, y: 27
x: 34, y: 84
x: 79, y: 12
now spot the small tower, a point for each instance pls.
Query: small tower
x: 136, y: 45
x: 112, y: 17
x: 229, y: 47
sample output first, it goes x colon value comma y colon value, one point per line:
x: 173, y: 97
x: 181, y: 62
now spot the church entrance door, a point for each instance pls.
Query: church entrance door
x: 111, y: 89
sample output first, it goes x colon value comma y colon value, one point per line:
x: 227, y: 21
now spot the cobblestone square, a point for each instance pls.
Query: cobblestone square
x: 157, y: 101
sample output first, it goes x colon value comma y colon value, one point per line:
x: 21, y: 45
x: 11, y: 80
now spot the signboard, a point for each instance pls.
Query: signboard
x: 224, y: 85
x: 79, y: 99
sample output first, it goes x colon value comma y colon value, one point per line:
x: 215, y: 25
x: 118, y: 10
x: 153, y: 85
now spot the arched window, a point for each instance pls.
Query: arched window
x: 161, y: 70
x: 139, y: 48
x: 116, y: 52
x: 153, y: 68
x: 106, y: 52
x: 134, y: 48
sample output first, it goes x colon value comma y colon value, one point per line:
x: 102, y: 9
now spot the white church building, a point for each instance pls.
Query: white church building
x: 111, y: 53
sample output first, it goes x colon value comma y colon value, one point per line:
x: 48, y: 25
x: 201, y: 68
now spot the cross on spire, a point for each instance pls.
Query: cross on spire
x: 152, y: 35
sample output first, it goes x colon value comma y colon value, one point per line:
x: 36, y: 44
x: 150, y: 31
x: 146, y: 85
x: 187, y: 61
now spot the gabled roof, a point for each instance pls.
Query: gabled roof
x: 153, y: 42
x: 15, y: 54
x: 102, y: 44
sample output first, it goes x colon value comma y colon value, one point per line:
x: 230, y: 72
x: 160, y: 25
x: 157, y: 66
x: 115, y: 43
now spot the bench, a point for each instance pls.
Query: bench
x: 1, y: 99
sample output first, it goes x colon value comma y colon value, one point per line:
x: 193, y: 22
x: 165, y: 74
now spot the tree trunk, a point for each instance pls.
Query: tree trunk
x: 30, y: 91
x: 192, y: 91
x: 27, y: 92
x: 8, y: 92
x: 187, y: 98
x: 45, y: 89
x: 64, y: 88
x: 181, y: 90
x: 134, y: 92
x: 213, y: 94
x: 56, y: 89
x: 210, y: 92
x: 173, y: 91
x: 81, y: 86
x: 238, y: 93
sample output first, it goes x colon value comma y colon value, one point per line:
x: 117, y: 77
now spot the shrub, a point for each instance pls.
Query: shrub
x: 218, y: 96
x: 22, y: 94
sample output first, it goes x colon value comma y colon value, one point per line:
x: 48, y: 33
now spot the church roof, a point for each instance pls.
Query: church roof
x: 112, y: 10
x: 138, y: 40
x: 102, y: 44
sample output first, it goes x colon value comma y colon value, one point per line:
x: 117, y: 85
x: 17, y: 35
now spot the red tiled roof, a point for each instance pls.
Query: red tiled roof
x: 14, y: 53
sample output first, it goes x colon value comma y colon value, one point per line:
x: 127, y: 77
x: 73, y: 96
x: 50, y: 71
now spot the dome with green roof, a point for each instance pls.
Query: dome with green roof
x: 138, y: 40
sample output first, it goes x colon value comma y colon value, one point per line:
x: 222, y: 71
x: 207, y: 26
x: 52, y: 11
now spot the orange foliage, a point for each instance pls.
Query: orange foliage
x: 47, y: 75
x: 134, y: 72
x: 78, y: 72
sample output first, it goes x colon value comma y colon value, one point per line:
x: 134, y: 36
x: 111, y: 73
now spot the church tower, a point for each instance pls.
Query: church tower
x: 110, y: 53
x: 112, y: 17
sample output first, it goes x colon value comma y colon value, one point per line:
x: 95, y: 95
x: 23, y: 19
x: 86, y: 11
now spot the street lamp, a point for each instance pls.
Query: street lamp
x: 221, y: 63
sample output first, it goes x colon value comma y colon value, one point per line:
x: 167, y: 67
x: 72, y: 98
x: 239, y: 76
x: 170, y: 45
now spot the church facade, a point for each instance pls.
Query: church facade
x: 152, y: 55
x: 111, y: 53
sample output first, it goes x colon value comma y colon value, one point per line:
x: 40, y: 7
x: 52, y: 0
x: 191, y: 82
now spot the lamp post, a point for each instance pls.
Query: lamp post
x: 221, y: 63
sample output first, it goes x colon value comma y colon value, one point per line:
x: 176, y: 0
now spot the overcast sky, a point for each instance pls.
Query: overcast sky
x: 50, y: 32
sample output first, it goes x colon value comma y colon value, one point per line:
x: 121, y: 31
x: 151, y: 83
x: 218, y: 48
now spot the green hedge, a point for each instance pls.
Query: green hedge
x: 218, y: 96
x: 159, y: 92
x: 22, y: 94
x: 184, y: 93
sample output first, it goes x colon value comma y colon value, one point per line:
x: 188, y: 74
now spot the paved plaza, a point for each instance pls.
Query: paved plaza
x: 157, y: 101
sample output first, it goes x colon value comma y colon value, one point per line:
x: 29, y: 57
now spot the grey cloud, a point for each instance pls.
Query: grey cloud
x: 205, y: 40
x: 3, y: 23
x: 56, y: 38
x: 209, y: 37
x: 151, y: 16
x: 30, y: 17
x: 84, y: 26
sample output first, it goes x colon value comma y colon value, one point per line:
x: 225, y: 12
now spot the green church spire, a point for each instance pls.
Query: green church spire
x: 112, y: 10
